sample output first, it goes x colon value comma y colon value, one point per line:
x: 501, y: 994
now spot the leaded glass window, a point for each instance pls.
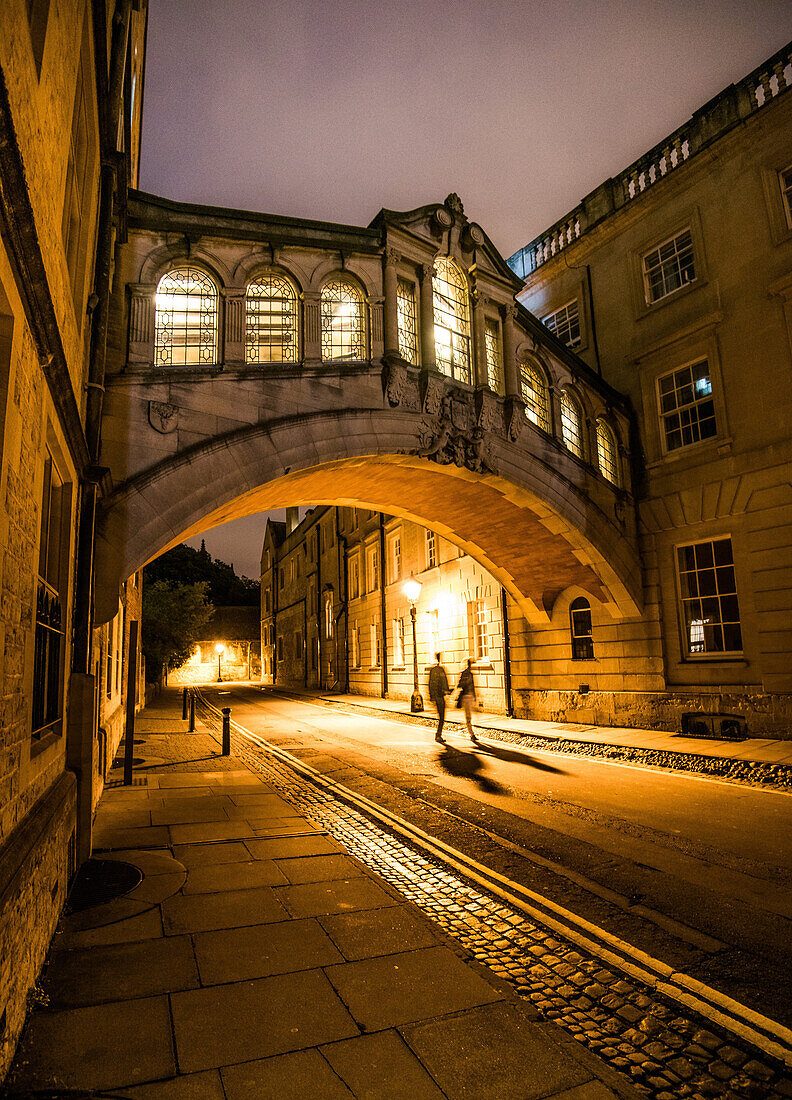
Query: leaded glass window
x: 343, y: 326
x: 580, y: 627
x: 571, y: 425
x: 271, y: 321
x: 185, y: 319
x: 492, y: 346
x: 710, y: 611
x: 534, y: 394
x: 606, y: 453
x: 451, y: 320
x: 687, y: 408
x: 669, y: 267
x: 786, y: 191
x: 408, y: 329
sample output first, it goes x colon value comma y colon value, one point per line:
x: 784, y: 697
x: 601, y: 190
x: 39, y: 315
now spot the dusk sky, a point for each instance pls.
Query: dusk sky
x: 333, y: 110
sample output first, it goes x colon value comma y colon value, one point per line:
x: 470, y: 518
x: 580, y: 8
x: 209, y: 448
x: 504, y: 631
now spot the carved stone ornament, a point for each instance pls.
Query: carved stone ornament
x: 451, y: 439
x: 443, y: 218
x: 433, y: 394
x: 486, y: 408
x: 454, y: 203
x: 515, y: 419
x: 400, y: 387
x: 163, y: 418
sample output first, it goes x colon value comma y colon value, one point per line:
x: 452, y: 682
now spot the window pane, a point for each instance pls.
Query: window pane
x: 492, y: 344
x: 606, y: 453
x: 686, y: 406
x: 343, y: 331
x: 271, y: 321
x: 534, y: 394
x: 451, y: 320
x: 669, y: 267
x: 565, y: 324
x: 712, y: 623
x: 571, y: 425
x: 406, y: 313
x: 185, y: 319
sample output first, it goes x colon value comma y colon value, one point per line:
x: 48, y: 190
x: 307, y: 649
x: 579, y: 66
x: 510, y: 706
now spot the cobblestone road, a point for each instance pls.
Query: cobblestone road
x: 664, y: 1052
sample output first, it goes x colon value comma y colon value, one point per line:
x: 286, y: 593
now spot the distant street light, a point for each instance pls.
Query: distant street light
x: 219, y: 650
x: 412, y: 590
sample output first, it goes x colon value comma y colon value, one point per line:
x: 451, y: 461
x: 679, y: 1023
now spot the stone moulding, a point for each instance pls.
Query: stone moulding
x: 163, y: 417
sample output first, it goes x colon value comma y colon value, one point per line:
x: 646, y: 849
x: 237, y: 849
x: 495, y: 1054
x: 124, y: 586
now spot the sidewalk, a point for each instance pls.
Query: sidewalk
x: 765, y: 751
x: 256, y: 960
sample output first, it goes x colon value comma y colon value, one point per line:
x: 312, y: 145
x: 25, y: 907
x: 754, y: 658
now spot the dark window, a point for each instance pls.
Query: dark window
x: 48, y: 645
x: 710, y: 611
x: 580, y: 627
x: 669, y: 267
x: 686, y: 406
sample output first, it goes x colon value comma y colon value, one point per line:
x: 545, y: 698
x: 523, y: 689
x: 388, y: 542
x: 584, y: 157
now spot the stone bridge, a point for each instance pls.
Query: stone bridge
x: 258, y: 362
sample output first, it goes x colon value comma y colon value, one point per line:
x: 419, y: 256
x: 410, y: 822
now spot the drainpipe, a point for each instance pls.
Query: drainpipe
x: 305, y: 641
x: 593, y: 320
x: 319, y: 601
x: 343, y: 603
x: 507, y: 680
x: 275, y: 582
x: 383, y: 608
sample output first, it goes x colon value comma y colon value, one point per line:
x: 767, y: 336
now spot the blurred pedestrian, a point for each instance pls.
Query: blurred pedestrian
x: 438, y: 689
x: 467, y: 696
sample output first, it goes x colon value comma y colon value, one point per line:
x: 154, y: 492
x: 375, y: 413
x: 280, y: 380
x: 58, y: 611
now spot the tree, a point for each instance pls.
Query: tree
x: 183, y: 565
x: 174, y: 619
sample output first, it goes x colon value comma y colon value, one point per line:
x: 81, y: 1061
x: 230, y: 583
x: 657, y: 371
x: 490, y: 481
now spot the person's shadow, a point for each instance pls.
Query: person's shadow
x: 500, y: 752
x: 467, y: 765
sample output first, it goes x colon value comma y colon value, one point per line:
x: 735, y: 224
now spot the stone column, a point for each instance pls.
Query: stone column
x: 312, y: 327
x: 141, y: 324
x: 480, y: 374
x: 392, y: 258
x: 511, y: 371
x: 232, y: 342
x: 427, y: 318
x: 375, y: 328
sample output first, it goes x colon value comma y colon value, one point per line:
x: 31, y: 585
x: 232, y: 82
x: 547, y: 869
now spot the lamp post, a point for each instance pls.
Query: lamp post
x: 412, y: 590
x: 219, y: 649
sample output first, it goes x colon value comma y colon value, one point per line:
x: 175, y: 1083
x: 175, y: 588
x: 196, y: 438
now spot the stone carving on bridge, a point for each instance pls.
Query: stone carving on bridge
x: 515, y: 418
x: 400, y: 387
x: 453, y: 438
x: 163, y: 418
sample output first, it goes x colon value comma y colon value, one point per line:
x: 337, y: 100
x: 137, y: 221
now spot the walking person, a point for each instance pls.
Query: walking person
x: 438, y: 689
x: 467, y: 696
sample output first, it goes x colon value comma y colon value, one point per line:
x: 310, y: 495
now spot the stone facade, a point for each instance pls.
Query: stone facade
x: 719, y: 188
x: 53, y: 129
x: 236, y: 629
x: 322, y: 613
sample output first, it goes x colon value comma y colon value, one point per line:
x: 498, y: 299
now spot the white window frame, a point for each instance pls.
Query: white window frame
x: 354, y: 577
x: 478, y: 629
x: 708, y: 397
x: 685, y: 282
x: 434, y: 633
x: 564, y: 322
x: 431, y: 549
x: 355, y: 638
x: 398, y: 643
x: 375, y: 641
x: 372, y: 568
x: 394, y: 558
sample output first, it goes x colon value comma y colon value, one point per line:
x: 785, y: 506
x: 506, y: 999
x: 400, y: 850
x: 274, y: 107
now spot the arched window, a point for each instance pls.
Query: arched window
x: 185, y: 321
x: 343, y: 328
x: 571, y: 425
x: 580, y: 629
x: 271, y: 321
x: 606, y: 453
x: 534, y: 394
x: 451, y: 320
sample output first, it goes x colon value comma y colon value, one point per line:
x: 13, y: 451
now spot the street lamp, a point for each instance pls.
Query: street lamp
x: 412, y: 590
x: 219, y: 650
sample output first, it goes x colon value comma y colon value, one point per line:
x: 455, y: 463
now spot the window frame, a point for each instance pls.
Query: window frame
x: 407, y: 307
x: 569, y: 397
x: 394, y: 557
x: 460, y: 334
x: 526, y: 367
x: 684, y: 284
x: 786, y: 192
x: 399, y: 643
x: 707, y: 398
x: 554, y: 313
x: 260, y: 279
x: 604, y: 431
x: 159, y: 361
x: 430, y: 548
x: 478, y: 631
x: 493, y: 354
x: 360, y: 343
x: 581, y: 652
x: 714, y: 655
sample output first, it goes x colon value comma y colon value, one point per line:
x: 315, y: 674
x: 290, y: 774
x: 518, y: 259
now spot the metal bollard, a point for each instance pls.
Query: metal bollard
x: 226, y: 731
x: 184, y: 704
x: 192, y: 712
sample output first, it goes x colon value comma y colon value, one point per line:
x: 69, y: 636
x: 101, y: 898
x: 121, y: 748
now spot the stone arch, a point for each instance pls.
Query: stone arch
x: 530, y: 525
x: 350, y: 270
x: 158, y: 262
x: 258, y: 263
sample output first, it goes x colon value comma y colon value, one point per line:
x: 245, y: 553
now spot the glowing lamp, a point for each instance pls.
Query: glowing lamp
x: 412, y: 590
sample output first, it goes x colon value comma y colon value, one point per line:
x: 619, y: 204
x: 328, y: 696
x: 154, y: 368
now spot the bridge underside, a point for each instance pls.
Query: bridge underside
x: 535, y: 550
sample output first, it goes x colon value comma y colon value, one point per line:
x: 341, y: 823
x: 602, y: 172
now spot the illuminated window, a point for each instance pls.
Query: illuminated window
x: 669, y: 267
x: 406, y: 312
x: 710, y: 612
x: 343, y: 328
x: 565, y: 324
x: 354, y: 578
x: 373, y: 569
x: 185, y: 319
x: 785, y: 178
x: 477, y: 629
x: 395, y: 558
x: 434, y: 633
x: 580, y: 629
x: 492, y: 345
x: 328, y: 615
x: 431, y: 549
x: 687, y: 409
x: 534, y: 394
x: 451, y: 320
x: 606, y: 453
x: 398, y: 643
x: 376, y: 645
x: 571, y: 425
x: 355, y: 640
x: 271, y: 321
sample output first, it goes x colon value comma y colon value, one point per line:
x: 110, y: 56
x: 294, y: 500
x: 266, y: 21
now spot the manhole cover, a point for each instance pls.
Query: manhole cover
x: 101, y: 880
x: 136, y: 761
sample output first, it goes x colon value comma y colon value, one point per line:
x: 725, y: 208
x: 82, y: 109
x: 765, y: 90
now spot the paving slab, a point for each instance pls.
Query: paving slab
x: 234, y: 876
x: 205, y: 810
x: 320, y: 868
x: 592, y: 1090
x: 229, y: 909
x: 110, y: 837
x: 145, y: 926
x: 260, y: 1018
x: 79, y: 1048
x: 122, y: 818
x: 96, y: 975
x: 201, y: 855
x: 289, y: 847
x: 258, y: 951
x: 314, y: 899
x: 413, y: 985
x: 381, y: 1067
x: 288, y: 1077
x: 201, y: 832
x: 494, y: 1052
x: 151, y: 861
x: 378, y: 932
x: 193, y: 1086
x: 284, y: 826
